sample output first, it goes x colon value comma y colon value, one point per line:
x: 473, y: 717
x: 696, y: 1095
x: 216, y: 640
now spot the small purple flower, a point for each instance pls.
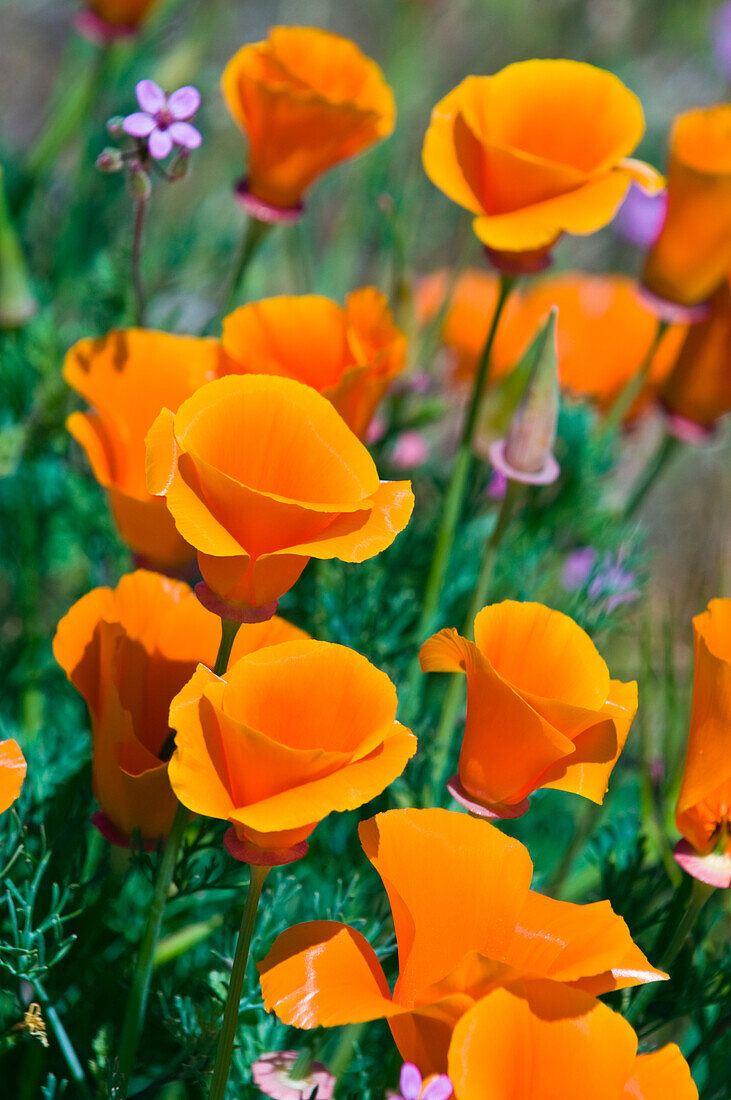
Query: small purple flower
x: 606, y: 579
x: 414, y: 1088
x: 163, y: 119
x: 641, y: 216
x: 577, y: 568
x: 410, y: 450
x: 721, y: 38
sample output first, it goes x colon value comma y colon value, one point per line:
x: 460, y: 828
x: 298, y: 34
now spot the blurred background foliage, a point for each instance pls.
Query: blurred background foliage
x: 376, y: 220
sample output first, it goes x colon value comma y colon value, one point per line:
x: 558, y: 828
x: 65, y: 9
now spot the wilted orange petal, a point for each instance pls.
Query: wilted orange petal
x: 12, y: 772
x: 323, y: 974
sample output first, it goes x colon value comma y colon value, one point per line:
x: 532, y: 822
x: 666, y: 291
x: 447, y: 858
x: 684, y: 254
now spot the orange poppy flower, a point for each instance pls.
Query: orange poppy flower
x: 121, y: 12
x: 692, y: 254
x: 12, y: 773
x: 128, y: 651
x: 307, y: 100
x: 292, y: 734
x: 542, y: 710
x: 349, y: 355
x: 261, y: 474
x: 127, y: 377
x: 698, y: 391
x: 536, y: 150
x: 466, y: 923
x: 703, y: 812
x: 467, y: 318
x: 539, y: 1041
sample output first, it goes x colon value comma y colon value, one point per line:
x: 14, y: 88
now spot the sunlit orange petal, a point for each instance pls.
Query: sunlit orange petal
x: 12, y: 773
x: 662, y: 1075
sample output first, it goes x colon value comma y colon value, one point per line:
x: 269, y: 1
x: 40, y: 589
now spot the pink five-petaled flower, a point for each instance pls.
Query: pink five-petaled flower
x: 272, y: 1074
x: 163, y: 119
x: 412, y: 1087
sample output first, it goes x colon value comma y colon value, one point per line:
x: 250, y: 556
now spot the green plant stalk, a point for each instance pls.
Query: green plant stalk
x: 631, y: 391
x: 65, y: 1044
x: 229, y: 630
x: 454, y: 498
x: 700, y: 894
x: 345, y: 1049
x: 664, y: 453
x: 138, y: 289
x: 17, y: 301
x: 139, y: 989
x: 233, y: 1000
x: 177, y: 943
x: 455, y: 691
x: 253, y: 237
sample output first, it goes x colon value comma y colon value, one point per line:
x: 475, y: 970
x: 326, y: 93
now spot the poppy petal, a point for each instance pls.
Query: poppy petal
x: 663, y: 1073
x: 13, y: 769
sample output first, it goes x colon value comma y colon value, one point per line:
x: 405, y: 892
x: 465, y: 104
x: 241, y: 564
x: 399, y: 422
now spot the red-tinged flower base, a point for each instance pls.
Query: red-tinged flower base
x: 234, y: 612
x: 713, y: 869
x: 673, y: 312
x: 546, y: 476
x: 262, y: 857
x: 492, y: 813
x: 266, y: 211
x: 110, y: 832
x: 95, y: 29
x: 689, y: 431
x: 186, y: 572
x: 520, y: 263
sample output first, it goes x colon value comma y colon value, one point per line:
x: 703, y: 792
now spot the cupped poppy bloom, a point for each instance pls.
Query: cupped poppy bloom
x: 467, y: 318
x: 541, y: 1040
x: 538, y: 149
x: 127, y: 377
x: 105, y: 20
x: 128, y: 651
x: 542, y: 710
x: 466, y: 923
x: 697, y: 393
x: 290, y: 735
x: 306, y: 99
x: 604, y: 333
x: 703, y: 811
x: 260, y: 474
x: 12, y: 772
x: 350, y: 355
x: 692, y: 254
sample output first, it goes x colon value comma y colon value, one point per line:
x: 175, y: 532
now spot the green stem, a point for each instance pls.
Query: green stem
x: 588, y: 820
x: 229, y: 630
x: 236, y: 985
x: 631, y: 391
x: 454, y: 498
x: 345, y: 1049
x: 139, y: 989
x: 455, y: 691
x: 700, y: 894
x: 251, y: 241
x: 65, y: 1044
x: 652, y: 471
x: 138, y: 290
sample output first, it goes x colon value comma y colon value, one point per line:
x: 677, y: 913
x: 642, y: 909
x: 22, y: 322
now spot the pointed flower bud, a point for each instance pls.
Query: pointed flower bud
x: 180, y: 165
x: 110, y: 160
x: 114, y: 125
x: 138, y: 183
x: 17, y: 301
x: 526, y: 453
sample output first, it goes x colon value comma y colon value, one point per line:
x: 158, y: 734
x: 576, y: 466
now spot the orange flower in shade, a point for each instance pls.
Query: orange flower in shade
x: 12, y: 773
x: 260, y: 474
x: 290, y: 735
x: 306, y: 100
x: 698, y: 391
x: 128, y: 651
x: 542, y: 710
x: 127, y: 377
x: 103, y: 21
x: 538, y: 149
x: 692, y: 254
x: 349, y: 355
x: 703, y: 812
x: 466, y: 923
x: 542, y: 1041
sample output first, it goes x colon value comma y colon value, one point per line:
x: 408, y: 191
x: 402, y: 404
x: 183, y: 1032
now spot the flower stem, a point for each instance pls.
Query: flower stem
x: 236, y: 985
x: 700, y: 894
x: 62, y: 1038
x: 455, y: 691
x: 137, y: 999
x: 252, y: 239
x: 138, y: 289
x: 229, y: 630
x: 455, y: 497
x: 652, y: 471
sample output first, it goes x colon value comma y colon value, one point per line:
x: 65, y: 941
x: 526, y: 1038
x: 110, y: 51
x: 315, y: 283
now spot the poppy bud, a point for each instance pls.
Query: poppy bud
x: 17, y: 302
x: 138, y: 183
x: 526, y: 454
x: 109, y: 160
